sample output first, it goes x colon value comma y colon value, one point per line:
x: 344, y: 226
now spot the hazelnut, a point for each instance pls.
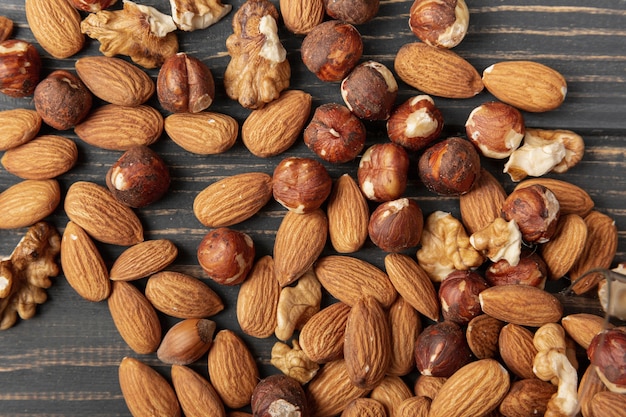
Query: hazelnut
x: 383, y: 171
x: 279, y: 396
x: 335, y: 134
x: 92, y: 6
x: 20, y: 67
x: 396, y: 225
x: 449, y: 167
x: 185, y: 84
x: 139, y: 177
x: 352, y: 11
x: 62, y: 100
x: 530, y: 270
x: 370, y: 91
x: 226, y: 255
x: 536, y: 211
x: 607, y: 352
x: 331, y: 50
x: 496, y: 129
x: 441, y: 349
x: 439, y: 23
x: 301, y: 184
x: 416, y: 123
x: 458, y: 294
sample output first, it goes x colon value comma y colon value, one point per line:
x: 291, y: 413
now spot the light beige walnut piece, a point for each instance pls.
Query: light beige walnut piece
x: 293, y: 362
x: 258, y: 70
x: 296, y: 305
x: 499, y: 240
x: 190, y: 15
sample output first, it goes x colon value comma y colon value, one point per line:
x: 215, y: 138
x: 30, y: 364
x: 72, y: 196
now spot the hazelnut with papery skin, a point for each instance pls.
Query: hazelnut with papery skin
x: 496, y: 129
x: 458, y: 294
x: 301, y: 184
x: 607, y: 352
x: 20, y: 67
x: 441, y: 349
x: 370, y: 91
x: 335, y: 134
x: 226, y: 255
x: 536, y: 211
x: 415, y: 123
x: 530, y: 270
x: 439, y: 23
x: 62, y: 100
x: 279, y: 396
x: 185, y: 84
x: 396, y: 225
x: 352, y: 11
x: 383, y: 171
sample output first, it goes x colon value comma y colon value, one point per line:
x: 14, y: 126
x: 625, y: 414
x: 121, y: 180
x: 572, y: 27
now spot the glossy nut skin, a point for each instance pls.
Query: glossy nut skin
x: 331, y: 50
x: 416, y: 123
x: 185, y: 84
x: 335, y: 134
x: 536, y: 211
x: 383, y: 171
x: 139, y: 177
x: 458, y: 294
x: 20, y: 68
x: 530, y: 270
x: 279, y: 395
x: 495, y: 128
x: 301, y: 184
x: 441, y: 349
x: 62, y: 100
x: 352, y: 11
x: 370, y: 91
x: 226, y: 255
x: 439, y: 23
x: 396, y: 225
x: 449, y: 167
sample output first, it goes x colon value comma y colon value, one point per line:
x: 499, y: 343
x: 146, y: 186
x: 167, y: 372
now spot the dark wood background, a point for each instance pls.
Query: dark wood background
x: 64, y: 361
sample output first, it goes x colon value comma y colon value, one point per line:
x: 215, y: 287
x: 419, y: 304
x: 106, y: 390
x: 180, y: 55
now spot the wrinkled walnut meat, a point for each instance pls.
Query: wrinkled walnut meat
x: 140, y: 32
x: 499, y: 240
x: 296, y: 305
x: 26, y: 273
x: 258, y: 70
x: 190, y: 15
x: 293, y: 362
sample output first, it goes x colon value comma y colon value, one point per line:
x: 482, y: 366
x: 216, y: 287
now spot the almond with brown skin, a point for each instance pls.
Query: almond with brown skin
x: 186, y: 341
x: 562, y: 251
x: 322, y: 336
x: 20, y: 126
x: 143, y: 259
x: 572, y: 198
x: 56, y: 26
x: 391, y: 391
x: 203, y: 133
x: 482, y: 204
x: 590, y: 384
x: 527, y: 397
x: 302, y: 16
x: 428, y: 386
x: 27, y: 202
x: 196, y: 395
x: 413, y: 407
x: 348, y: 215
x: 364, y: 407
x: 42, y: 158
x: 6, y: 27
x: 405, y: 325
x: 582, y: 327
x: 482, y: 335
x: 608, y: 404
x: 517, y: 350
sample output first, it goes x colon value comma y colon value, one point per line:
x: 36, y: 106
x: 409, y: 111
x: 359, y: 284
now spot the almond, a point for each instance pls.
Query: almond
x: 27, y: 202
x: 302, y: 16
x: 19, y: 126
x: 582, y: 327
x: 134, y: 317
x: 482, y: 336
x: 482, y: 204
x: 364, y: 407
x: 203, y: 133
x: 143, y: 259
x: 196, y: 395
x: 119, y: 128
x: 437, y: 71
x: 391, y: 392
x: 564, y: 248
x: 145, y: 391
x: 413, y: 407
x: 56, y: 26
x: 233, y: 199
x: 93, y: 207
x: 527, y: 85
x: 274, y: 128
x: 405, y: 325
x: 115, y: 80
x: 83, y: 265
x: 608, y: 404
x: 348, y: 215
x: 572, y: 198
x: 322, y: 336
x: 428, y: 386
x: 517, y: 350
x: 42, y: 158
x: 590, y: 384
x: 527, y: 397
x: 186, y: 341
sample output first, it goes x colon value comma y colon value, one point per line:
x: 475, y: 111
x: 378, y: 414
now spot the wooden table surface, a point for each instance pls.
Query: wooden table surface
x: 64, y: 361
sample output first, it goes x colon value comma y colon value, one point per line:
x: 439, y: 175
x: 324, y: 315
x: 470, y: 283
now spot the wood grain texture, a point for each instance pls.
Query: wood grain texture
x: 64, y: 361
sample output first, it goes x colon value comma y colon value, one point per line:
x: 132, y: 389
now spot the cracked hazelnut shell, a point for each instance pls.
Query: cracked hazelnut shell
x: 226, y: 255
x: 279, y: 396
x: 458, y: 294
x: 441, y: 349
x: 185, y: 84
x: 536, y: 211
x: 396, y: 225
x: 20, y: 67
x: 301, y: 184
x: 62, y: 100
x: 370, y: 91
x: 383, y: 171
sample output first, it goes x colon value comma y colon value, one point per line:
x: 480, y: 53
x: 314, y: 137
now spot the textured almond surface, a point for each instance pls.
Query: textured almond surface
x: 19, y: 126
x: 348, y: 215
x: 143, y: 259
x: 302, y: 16
x: 565, y: 247
x: 608, y: 404
x: 590, y: 384
x: 517, y: 350
x: 482, y: 204
x: 572, y: 198
x: 203, y: 133
x: 391, y: 391
x: 405, y: 324
x: 196, y: 395
x: 482, y: 335
x: 527, y: 397
x: 582, y: 327
x: 56, y: 26
x: 42, y: 158
x: 322, y: 336
x: 364, y: 407
x: 27, y: 202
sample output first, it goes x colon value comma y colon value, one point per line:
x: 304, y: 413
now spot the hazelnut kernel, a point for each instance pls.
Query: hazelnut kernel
x: 415, y: 123
x: 301, y: 184
x: 279, y: 395
x: 370, y: 91
x: 439, y: 23
x: 458, y: 294
x: 226, y: 255
x: 530, y: 270
x: 536, y: 211
x: 441, y: 349
x: 185, y: 84
x: 383, y: 171
x: 396, y: 225
x: 20, y: 67
x: 496, y: 129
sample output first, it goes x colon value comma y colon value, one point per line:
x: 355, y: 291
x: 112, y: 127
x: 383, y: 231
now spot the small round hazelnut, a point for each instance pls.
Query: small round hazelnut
x: 396, y: 225
x: 449, y: 167
x: 226, y: 255
x: 416, y: 123
x: 530, y: 270
x: 335, y: 134
x: 458, y: 295
x: 352, y: 11
x: 383, y: 171
x: 536, y: 211
x: 279, y: 395
x: 439, y: 23
x: 607, y: 352
x: 62, y: 100
x: 370, y: 91
x: 331, y: 50
x: 495, y: 128
x: 185, y: 84
x: 20, y: 67
x: 301, y: 185
x: 139, y: 177
x: 441, y: 349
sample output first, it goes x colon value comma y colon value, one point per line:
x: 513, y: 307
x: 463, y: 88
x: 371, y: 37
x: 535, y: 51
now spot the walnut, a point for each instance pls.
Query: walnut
x: 499, y: 240
x: 446, y: 247
x: 141, y: 32
x: 26, y: 273
x: 297, y: 304
x: 293, y: 362
x: 190, y: 15
x: 258, y: 70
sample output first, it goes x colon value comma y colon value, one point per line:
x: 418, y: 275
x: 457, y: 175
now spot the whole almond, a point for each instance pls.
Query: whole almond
x: 391, y: 391
x: 302, y: 16
x: 348, y: 215
x: 203, y: 133
x: 183, y: 296
x: 186, y: 341
x: 564, y: 248
x: 517, y: 350
x: 405, y: 325
x: 582, y: 327
x: 143, y: 259
x: 233, y: 199
x: 134, y: 317
x: 572, y: 198
x: 590, y: 384
x: 364, y: 407
x: 119, y: 128
x: 83, y: 265
x: 527, y: 397
x: 27, y: 202
x: 145, y: 391
x: 6, y: 28
x: 482, y: 335
x: 274, y: 128
x: 115, y: 80
x: 93, y: 207
x: 56, y: 26
x: 608, y: 404
x: 232, y: 369
x: 196, y: 395
x: 527, y: 85
x: 437, y: 71
x: 413, y: 407
x: 42, y: 158
x: 322, y: 336
x: 19, y: 126
x: 428, y: 386
x: 482, y: 204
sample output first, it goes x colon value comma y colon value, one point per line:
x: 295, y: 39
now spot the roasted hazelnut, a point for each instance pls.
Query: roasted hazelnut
x: 441, y: 349
x: 536, y: 211
x: 383, y: 171
x: 335, y: 134
x: 92, y: 6
x: 332, y: 49
x: 530, y: 270
x: 416, y: 123
x: 226, y: 255
x: 607, y: 352
x: 495, y: 128
x: 449, y: 167
x: 396, y: 225
x: 20, y: 67
x: 301, y: 184
x: 139, y: 177
x: 279, y: 396
x: 185, y: 84
x: 458, y: 295
x: 439, y: 23
x: 352, y: 11
x: 370, y: 91
x: 62, y: 100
